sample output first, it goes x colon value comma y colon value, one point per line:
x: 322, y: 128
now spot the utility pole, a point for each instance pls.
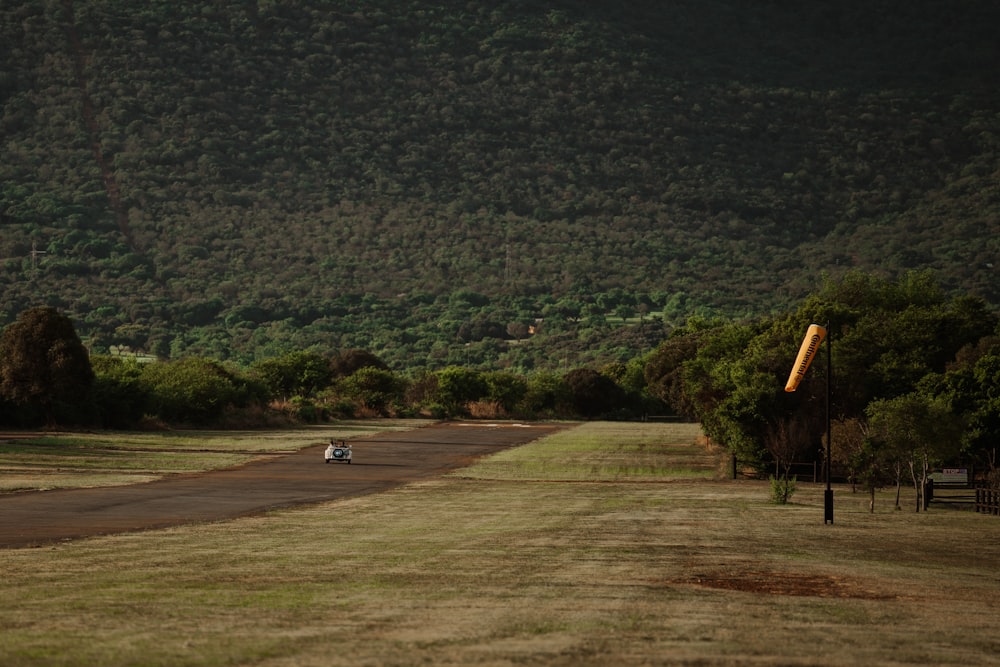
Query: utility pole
x: 506, y: 264
x: 35, y: 253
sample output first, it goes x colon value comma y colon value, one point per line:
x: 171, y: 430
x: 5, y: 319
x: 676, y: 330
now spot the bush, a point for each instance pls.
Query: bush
x: 120, y: 401
x: 191, y: 390
x: 306, y: 410
x: 546, y: 396
x: 436, y: 411
x: 782, y: 489
x: 374, y: 389
x: 457, y: 387
x: 592, y: 394
x: 341, y: 408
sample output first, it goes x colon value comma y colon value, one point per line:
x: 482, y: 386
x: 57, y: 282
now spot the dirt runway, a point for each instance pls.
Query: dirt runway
x: 381, y: 462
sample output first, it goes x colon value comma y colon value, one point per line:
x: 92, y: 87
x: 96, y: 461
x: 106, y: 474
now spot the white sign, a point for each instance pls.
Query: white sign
x: 951, y: 476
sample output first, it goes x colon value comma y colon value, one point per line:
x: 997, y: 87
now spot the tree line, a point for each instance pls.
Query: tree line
x: 47, y: 377
x: 915, y: 383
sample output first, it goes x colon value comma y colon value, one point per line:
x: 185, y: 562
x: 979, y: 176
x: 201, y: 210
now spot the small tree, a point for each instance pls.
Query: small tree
x: 868, y: 461
x: 546, y: 395
x: 457, y: 387
x: 919, y: 431
x: 293, y: 374
x: 374, y: 388
x: 848, y: 442
x: 786, y: 441
x: 517, y: 330
x: 505, y: 389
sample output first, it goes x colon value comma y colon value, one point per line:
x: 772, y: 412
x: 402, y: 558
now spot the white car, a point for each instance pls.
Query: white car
x: 339, y: 452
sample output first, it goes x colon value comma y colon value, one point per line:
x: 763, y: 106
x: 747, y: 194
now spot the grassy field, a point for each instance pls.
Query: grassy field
x: 609, y: 544
x: 34, y: 461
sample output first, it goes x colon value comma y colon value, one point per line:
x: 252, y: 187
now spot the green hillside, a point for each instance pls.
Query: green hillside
x: 429, y: 179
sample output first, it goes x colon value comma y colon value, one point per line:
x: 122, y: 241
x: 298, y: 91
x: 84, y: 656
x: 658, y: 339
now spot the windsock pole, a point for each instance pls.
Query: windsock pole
x: 807, y: 352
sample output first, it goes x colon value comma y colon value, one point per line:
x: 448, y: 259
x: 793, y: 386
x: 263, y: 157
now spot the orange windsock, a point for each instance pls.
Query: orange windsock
x: 810, y: 344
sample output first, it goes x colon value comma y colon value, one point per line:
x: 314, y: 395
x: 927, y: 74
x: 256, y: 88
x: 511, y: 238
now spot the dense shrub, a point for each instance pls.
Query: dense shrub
x: 374, y: 389
x: 546, y: 396
x: 457, y: 387
x: 192, y: 390
x: 592, y: 394
x: 120, y: 398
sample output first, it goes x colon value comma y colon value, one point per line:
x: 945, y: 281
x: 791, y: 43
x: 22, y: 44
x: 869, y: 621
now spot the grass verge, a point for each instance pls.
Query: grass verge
x: 605, y: 451
x: 494, y: 570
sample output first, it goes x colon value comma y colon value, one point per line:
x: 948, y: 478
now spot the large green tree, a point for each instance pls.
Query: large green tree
x: 44, y: 368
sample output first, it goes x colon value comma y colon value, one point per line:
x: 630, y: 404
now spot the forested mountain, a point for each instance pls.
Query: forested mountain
x: 428, y: 180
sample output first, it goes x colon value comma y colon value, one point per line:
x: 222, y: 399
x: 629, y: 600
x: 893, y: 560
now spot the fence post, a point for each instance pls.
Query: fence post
x: 988, y: 501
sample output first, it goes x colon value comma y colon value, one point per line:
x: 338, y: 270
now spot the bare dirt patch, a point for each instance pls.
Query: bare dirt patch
x: 786, y: 583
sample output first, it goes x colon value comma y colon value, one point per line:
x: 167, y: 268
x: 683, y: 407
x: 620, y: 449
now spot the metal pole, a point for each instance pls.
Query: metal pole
x: 828, y: 495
